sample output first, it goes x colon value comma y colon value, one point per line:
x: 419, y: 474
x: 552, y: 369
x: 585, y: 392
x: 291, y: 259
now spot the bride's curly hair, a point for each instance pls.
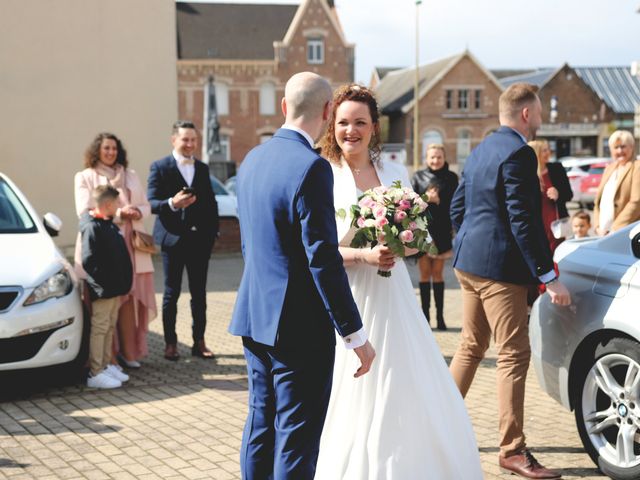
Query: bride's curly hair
x: 355, y: 93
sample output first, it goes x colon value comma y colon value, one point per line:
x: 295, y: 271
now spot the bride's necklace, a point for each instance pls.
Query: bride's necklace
x: 355, y: 170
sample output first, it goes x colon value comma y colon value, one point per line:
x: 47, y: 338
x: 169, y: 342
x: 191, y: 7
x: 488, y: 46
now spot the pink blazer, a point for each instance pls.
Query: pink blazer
x: 84, y: 183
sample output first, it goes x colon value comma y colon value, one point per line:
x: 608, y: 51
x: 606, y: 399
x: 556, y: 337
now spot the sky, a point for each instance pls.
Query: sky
x: 499, y: 33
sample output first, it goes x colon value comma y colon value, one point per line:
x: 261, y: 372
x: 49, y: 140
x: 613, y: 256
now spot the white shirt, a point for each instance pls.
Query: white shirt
x: 301, y: 132
x: 186, y: 167
x: 187, y: 170
x: 359, y: 338
x: 606, y: 202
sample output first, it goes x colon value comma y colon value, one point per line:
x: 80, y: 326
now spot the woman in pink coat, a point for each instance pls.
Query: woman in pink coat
x: 106, y: 163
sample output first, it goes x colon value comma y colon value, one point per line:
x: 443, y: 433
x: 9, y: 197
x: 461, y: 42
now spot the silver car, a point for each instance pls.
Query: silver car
x: 587, y: 356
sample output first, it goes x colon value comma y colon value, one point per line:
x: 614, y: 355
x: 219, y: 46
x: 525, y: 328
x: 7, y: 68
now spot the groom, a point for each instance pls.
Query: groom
x: 294, y: 290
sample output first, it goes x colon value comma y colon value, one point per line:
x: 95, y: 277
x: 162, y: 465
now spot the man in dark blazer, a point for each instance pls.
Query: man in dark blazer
x: 294, y: 291
x: 499, y: 249
x: 181, y: 195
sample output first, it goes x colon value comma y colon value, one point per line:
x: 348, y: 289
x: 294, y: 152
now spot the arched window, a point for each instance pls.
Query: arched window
x: 429, y: 137
x: 267, y: 99
x: 463, y: 146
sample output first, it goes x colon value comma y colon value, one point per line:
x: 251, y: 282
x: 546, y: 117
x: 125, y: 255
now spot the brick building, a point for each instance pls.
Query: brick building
x: 251, y: 51
x: 589, y: 104
x: 457, y: 101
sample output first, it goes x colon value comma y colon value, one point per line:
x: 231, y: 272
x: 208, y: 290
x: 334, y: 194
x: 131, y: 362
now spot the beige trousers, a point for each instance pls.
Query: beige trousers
x: 489, y: 306
x: 103, y: 322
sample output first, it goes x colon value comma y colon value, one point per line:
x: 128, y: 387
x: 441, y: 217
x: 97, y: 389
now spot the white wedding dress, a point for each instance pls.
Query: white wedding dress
x: 405, y: 419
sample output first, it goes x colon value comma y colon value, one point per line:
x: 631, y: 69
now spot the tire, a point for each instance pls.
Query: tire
x: 608, y: 408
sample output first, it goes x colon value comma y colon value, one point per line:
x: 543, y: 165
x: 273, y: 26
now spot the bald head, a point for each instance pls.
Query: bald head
x: 306, y: 95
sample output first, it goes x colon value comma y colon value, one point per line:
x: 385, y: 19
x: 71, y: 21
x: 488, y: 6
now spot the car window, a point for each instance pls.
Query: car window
x: 14, y: 217
x: 596, y: 171
x: 218, y: 188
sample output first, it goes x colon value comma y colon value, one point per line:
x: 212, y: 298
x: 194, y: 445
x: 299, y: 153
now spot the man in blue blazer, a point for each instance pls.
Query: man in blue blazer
x: 294, y: 290
x: 500, y: 248
x: 181, y: 195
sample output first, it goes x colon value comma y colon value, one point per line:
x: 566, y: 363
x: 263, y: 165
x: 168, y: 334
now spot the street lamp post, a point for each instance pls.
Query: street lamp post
x: 416, y: 116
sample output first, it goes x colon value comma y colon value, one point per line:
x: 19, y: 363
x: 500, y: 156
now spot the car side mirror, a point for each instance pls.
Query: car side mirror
x: 52, y: 224
x: 635, y: 245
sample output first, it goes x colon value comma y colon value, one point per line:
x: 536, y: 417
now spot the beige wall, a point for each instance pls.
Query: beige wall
x: 72, y: 68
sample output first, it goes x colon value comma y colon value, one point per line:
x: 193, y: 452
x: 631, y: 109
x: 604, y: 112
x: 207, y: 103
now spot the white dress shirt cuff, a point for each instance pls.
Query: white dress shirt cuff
x: 547, y: 277
x: 171, y: 205
x: 356, y: 339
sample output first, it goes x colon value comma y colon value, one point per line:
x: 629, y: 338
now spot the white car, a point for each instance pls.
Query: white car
x: 41, y: 314
x: 227, y: 202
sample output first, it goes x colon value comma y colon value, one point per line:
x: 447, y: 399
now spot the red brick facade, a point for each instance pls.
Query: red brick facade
x: 461, y: 128
x: 458, y: 106
x: 244, y: 125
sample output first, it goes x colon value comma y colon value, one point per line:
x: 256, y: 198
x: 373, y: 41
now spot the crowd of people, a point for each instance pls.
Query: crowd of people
x: 302, y: 280
x: 118, y: 269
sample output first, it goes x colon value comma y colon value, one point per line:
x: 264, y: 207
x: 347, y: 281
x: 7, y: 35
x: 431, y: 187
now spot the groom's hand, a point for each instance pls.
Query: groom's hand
x: 366, y: 354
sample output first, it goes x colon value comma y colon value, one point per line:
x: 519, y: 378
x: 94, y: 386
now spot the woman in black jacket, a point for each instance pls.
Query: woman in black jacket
x: 437, y: 178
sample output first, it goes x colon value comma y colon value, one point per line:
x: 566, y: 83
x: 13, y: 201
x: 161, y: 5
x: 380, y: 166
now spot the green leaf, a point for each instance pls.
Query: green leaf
x: 341, y: 214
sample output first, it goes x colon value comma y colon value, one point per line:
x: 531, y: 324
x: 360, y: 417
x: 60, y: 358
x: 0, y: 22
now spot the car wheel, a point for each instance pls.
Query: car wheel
x: 608, y: 408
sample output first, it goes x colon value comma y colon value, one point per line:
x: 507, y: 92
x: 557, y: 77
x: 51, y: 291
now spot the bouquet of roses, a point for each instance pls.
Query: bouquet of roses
x: 394, y: 216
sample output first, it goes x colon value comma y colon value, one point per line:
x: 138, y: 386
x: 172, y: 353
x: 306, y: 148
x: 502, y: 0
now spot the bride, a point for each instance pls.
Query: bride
x: 405, y: 419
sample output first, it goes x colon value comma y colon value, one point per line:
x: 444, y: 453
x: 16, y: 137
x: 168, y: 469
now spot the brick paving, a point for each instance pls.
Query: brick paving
x: 184, y: 420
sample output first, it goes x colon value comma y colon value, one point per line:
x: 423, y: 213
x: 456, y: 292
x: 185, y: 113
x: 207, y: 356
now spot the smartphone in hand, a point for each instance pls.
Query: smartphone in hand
x: 188, y: 190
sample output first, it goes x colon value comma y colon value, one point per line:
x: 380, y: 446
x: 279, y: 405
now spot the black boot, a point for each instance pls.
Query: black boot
x: 438, y: 296
x: 425, y: 298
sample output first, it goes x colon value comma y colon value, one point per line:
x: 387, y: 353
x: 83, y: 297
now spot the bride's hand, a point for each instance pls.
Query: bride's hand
x: 380, y: 256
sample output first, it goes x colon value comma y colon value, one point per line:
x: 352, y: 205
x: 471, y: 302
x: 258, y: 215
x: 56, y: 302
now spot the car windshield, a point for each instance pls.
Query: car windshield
x: 218, y: 188
x: 14, y: 217
x: 596, y: 171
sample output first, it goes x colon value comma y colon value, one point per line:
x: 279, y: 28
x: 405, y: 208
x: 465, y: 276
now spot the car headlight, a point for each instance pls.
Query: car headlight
x: 56, y: 286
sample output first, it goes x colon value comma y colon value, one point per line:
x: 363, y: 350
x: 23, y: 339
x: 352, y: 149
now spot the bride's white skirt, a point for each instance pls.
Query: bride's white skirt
x: 405, y: 419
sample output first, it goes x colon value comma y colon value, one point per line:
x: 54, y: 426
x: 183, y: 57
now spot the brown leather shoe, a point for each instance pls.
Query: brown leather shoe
x: 524, y: 464
x: 171, y: 352
x: 201, y: 350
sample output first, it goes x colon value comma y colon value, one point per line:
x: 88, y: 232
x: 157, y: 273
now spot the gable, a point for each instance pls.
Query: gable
x: 306, y: 19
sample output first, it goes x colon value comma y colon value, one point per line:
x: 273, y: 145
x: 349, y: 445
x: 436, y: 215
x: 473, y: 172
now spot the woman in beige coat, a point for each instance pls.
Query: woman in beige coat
x: 617, y: 201
x: 106, y: 163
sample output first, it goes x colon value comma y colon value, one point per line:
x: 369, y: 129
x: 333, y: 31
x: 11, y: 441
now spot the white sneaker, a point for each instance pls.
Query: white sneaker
x: 115, y: 372
x: 103, y: 380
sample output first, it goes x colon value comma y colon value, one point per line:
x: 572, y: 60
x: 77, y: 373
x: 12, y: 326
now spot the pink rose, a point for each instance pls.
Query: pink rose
x: 413, y: 226
x: 381, y: 222
x: 360, y: 222
x: 406, y: 236
x: 404, y: 205
x: 399, y: 216
x: 379, y: 212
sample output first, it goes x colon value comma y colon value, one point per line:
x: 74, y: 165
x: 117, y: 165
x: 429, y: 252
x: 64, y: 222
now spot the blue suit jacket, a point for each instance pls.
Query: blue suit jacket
x: 165, y: 180
x: 497, y: 213
x: 294, y: 288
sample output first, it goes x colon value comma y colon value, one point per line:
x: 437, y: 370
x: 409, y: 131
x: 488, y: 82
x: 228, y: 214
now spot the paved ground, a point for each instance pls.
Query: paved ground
x: 183, y: 420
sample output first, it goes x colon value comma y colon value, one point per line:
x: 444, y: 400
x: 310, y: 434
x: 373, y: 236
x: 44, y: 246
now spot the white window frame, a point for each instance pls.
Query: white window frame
x: 463, y: 145
x: 267, y: 98
x: 222, y: 98
x: 225, y: 146
x: 463, y: 99
x: 315, y: 51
